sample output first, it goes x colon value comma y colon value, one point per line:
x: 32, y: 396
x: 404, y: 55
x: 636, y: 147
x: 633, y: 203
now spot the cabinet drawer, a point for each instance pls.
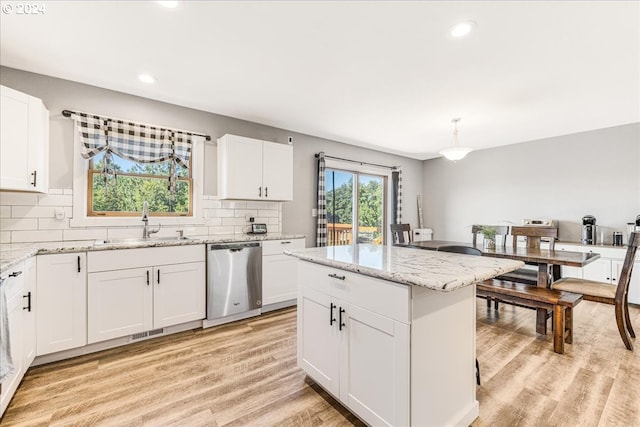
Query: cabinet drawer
x: 379, y: 296
x: 121, y: 259
x: 275, y: 247
x: 13, y: 285
x: 605, y: 252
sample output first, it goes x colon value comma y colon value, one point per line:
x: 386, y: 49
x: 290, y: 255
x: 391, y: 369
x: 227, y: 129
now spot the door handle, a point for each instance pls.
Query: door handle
x: 15, y: 274
x: 335, y: 276
x: 341, y: 324
x: 259, y: 191
x: 266, y: 191
x: 147, y: 277
x: 158, y: 276
x: 35, y: 176
x: 28, y: 297
x: 331, y: 318
x: 78, y: 263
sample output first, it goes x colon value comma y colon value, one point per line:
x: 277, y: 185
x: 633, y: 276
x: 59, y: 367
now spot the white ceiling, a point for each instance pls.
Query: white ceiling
x: 384, y: 75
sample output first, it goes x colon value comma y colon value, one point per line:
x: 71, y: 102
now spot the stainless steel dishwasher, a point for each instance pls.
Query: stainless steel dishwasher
x: 234, y: 281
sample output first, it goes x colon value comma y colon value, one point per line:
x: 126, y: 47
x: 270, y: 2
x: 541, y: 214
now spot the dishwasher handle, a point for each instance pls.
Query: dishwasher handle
x: 234, y: 247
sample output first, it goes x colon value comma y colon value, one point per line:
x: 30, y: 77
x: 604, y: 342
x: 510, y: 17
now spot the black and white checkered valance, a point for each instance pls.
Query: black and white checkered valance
x: 133, y: 141
x: 138, y: 142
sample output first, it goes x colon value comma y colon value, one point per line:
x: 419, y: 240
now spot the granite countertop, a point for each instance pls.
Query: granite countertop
x: 441, y: 271
x: 13, y: 253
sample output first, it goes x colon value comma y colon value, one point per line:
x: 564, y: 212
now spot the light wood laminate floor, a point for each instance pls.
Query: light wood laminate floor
x: 245, y: 374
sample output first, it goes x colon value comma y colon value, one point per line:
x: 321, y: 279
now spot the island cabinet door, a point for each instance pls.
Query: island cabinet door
x: 374, y: 366
x: 318, y: 339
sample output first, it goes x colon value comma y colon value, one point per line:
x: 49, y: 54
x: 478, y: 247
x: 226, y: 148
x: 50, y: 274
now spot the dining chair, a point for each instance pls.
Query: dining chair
x: 534, y: 236
x: 400, y: 233
x: 502, y: 231
x: 466, y: 250
x: 608, y: 293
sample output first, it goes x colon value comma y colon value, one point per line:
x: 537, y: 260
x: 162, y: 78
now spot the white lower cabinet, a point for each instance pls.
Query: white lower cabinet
x: 61, y: 302
x: 279, y: 279
x: 167, y: 287
x: 394, y: 355
x: 18, y: 286
x: 179, y: 294
x: 119, y: 303
x: 358, y: 355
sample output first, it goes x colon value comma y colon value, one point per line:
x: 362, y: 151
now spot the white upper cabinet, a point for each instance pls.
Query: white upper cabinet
x: 277, y: 171
x: 251, y: 169
x: 24, y: 142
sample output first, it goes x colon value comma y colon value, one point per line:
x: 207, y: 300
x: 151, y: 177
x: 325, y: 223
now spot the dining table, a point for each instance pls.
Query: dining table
x: 548, y: 262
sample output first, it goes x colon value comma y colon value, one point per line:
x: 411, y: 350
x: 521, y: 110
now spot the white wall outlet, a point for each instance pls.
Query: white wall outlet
x: 314, y: 212
x: 59, y: 213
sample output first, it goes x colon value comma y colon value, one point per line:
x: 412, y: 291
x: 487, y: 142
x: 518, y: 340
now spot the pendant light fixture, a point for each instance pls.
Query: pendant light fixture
x: 455, y: 152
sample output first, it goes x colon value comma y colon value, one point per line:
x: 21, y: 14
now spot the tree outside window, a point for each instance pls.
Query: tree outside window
x: 123, y: 193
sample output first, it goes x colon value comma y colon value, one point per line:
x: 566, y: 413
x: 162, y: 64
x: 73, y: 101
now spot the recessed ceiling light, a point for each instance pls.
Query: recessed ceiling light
x: 146, y: 78
x: 169, y: 4
x: 462, y: 29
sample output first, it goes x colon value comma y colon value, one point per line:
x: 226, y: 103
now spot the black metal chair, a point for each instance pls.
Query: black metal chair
x: 466, y: 250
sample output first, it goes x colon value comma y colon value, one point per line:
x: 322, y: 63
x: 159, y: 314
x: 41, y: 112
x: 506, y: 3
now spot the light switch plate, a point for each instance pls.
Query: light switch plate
x: 59, y: 214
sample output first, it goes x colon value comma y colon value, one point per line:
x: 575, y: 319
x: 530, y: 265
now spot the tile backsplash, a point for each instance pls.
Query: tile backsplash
x: 30, y: 217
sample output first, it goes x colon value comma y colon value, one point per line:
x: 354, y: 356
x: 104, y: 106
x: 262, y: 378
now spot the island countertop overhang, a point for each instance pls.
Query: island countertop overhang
x: 441, y: 271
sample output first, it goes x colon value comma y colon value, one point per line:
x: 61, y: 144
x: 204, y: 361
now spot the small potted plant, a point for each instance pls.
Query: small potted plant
x: 489, y: 234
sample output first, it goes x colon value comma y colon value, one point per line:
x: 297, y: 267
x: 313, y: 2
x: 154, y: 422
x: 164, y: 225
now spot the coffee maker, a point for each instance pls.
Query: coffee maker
x: 588, y: 230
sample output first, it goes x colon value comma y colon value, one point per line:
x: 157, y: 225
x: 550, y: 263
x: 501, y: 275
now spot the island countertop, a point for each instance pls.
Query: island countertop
x: 441, y: 271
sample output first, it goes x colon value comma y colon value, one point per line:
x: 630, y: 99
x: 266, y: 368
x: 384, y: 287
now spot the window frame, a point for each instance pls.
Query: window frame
x: 364, y: 169
x: 91, y: 173
x: 80, y: 216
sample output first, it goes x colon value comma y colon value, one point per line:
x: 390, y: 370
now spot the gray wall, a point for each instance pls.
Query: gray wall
x: 58, y: 95
x: 562, y: 178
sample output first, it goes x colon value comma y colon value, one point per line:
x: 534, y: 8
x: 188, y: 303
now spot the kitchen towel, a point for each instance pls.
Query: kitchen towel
x: 6, y: 363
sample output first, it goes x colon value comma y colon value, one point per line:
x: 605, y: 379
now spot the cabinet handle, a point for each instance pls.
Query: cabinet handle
x: 259, y: 191
x: 79, y: 264
x: 158, y: 276
x: 335, y: 276
x: 147, y: 277
x: 28, y: 297
x: 35, y: 177
x: 341, y: 324
x: 266, y: 191
x: 285, y: 243
x: 331, y: 318
x: 15, y: 274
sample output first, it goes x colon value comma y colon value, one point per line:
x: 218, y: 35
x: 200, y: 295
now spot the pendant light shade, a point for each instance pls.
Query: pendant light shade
x: 455, y: 152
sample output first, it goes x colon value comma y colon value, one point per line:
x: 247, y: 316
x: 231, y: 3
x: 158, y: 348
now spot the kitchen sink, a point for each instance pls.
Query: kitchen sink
x: 137, y: 240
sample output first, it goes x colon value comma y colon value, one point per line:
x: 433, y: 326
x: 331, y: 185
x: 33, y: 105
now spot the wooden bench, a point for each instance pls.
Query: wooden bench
x: 560, y: 302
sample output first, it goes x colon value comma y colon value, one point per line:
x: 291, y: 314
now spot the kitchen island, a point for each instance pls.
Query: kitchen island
x: 390, y: 331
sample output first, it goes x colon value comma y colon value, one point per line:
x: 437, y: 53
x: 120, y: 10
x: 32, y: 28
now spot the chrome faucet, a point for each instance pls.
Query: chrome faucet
x: 146, y: 233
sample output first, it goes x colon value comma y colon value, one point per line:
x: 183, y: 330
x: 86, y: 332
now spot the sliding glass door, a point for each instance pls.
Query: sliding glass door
x: 355, y: 207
